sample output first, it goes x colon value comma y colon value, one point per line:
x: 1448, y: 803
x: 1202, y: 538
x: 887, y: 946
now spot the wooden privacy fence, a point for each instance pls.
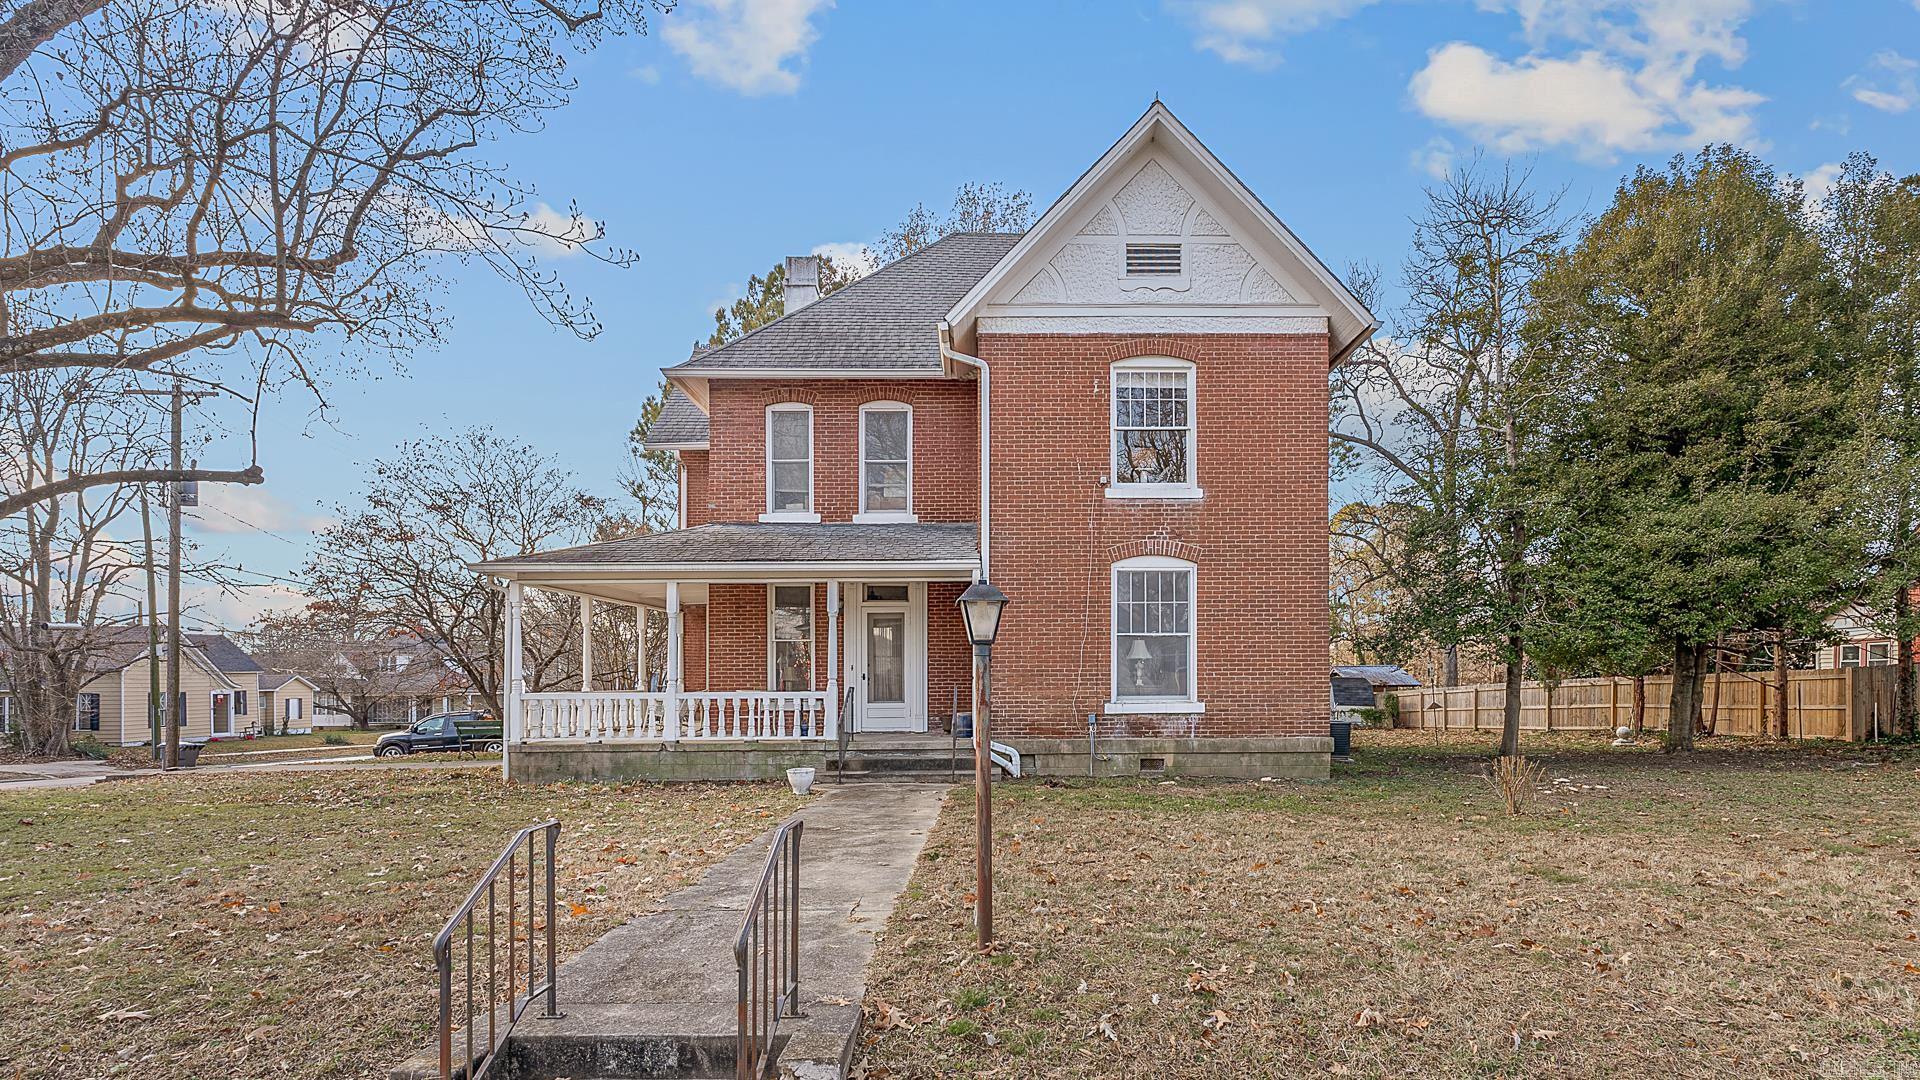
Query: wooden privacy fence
x: 1835, y: 703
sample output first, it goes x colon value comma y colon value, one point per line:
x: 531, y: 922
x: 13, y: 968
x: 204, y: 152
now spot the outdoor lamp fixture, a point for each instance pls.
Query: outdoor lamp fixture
x: 980, y: 605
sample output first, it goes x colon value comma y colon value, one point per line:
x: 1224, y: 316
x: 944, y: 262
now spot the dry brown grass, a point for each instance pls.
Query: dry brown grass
x: 1749, y: 911
x: 277, y: 925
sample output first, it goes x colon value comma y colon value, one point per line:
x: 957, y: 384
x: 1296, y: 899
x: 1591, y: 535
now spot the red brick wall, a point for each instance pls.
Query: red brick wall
x: 693, y: 655
x: 1258, y: 537
x: 734, y: 627
x: 946, y: 451
x: 693, y: 487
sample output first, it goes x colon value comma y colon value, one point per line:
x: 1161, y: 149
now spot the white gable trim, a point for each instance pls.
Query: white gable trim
x: 1348, y: 321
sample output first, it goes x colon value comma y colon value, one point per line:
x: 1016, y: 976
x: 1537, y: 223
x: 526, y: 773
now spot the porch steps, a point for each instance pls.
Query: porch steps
x: 912, y: 758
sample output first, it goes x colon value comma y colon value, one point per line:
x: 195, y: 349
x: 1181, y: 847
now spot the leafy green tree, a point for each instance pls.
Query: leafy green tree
x: 1693, y: 403
x: 1870, y: 222
x: 766, y: 299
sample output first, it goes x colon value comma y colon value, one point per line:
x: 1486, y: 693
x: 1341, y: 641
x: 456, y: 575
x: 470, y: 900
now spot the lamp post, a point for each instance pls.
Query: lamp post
x: 980, y: 605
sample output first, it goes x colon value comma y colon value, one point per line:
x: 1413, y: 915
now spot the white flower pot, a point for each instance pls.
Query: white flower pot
x: 801, y: 780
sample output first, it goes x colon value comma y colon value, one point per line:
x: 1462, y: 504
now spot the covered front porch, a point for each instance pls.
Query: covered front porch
x: 776, y: 639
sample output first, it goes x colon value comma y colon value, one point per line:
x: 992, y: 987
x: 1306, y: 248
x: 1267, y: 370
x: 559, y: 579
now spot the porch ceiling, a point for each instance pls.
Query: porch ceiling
x: 635, y: 570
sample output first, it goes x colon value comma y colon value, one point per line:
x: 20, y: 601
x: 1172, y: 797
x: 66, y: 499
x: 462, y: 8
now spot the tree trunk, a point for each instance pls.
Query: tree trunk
x: 1510, y: 716
x: 1684, y: 705
x: 1906, y: 714
x: 1639, y: 704
x: 1450, y: 667
x: 1780, y: 683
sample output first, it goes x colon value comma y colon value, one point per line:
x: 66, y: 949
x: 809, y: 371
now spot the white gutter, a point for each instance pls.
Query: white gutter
x: 948, y: 352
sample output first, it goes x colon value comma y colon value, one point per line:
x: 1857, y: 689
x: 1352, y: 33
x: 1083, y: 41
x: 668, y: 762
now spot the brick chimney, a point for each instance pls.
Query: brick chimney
x: 803, y: 281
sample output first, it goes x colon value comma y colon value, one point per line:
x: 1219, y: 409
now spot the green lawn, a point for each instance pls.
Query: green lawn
x: 278, y: 925
x: 1750, y: 911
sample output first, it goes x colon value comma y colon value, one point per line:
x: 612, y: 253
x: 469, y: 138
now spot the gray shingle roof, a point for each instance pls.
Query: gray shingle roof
x: 680, y: 423
x: 1378, y: 674
x: 887, y: 320
x: 755, y: 543
x: 224, y: 653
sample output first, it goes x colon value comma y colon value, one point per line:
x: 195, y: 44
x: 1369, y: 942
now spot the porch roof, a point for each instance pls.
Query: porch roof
x: 734, y: 550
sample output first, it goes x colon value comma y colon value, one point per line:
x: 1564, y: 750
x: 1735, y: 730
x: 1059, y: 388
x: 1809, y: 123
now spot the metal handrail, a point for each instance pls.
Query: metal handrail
x: 766, y: 955
x: 507, y: 865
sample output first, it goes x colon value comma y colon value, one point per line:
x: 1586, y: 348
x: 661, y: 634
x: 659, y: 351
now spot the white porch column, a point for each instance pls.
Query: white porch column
x: 641, y: 635
x: 515, y: 723
x: 586, y: 644
x: 833, y: 658
x: 674, y: 669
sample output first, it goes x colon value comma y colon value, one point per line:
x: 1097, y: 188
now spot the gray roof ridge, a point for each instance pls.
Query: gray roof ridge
x: 840, y: 294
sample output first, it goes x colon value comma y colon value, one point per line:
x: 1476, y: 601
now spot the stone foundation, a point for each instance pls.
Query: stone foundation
x: 1295, y: 757
x: 1298, y: 757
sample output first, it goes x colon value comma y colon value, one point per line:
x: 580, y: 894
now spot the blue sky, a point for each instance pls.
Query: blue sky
x: 740, y: 131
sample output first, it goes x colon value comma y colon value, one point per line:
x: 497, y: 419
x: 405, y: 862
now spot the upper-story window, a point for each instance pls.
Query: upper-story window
x: 886, y: 462
x: 789, y: 463
x: 1153, y: 431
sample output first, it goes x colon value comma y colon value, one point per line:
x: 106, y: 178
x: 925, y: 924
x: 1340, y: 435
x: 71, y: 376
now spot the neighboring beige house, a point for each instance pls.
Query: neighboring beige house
x: 288, y: 699
x: 224, y: 692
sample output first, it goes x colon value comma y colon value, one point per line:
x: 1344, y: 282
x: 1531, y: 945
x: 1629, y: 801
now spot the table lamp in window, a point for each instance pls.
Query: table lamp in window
x: 1138, y: 655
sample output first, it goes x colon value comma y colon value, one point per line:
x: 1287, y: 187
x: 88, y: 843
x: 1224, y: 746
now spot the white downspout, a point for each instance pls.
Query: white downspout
x: 947, y: 351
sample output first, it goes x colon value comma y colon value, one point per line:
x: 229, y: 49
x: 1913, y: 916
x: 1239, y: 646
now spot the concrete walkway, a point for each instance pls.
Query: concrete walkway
x: 656, y: 997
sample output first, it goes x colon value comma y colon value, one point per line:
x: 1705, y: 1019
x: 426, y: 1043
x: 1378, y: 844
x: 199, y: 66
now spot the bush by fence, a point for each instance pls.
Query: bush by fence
x: 1835, y: 703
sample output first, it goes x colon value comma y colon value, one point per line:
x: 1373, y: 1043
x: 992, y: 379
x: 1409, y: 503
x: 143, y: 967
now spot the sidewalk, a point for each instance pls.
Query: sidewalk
x: 661, y: 989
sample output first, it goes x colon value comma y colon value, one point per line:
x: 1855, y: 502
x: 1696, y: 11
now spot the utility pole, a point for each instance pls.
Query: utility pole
x: 183, y: 495
x: 154, y: 702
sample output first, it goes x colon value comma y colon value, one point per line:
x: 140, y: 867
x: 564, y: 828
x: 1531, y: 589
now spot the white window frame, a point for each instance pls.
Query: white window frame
x: 1886, y: 657
x: 1152, y: 364
x: 295, y: 707
x: 865, y: 516
x: 1135, y: 706
x: 1843, y: 660
x: 813, y: 638
x: 807, y: 515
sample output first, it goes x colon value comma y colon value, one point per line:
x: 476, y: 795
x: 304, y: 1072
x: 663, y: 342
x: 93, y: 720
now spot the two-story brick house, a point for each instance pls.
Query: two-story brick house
x: 1119, y: 417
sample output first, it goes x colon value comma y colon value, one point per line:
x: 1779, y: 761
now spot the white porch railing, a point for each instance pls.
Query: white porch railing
x: 631, y: 716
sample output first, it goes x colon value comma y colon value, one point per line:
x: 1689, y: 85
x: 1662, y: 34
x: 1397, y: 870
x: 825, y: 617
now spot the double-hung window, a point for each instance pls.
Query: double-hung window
x: 790, y: 638
x: 1153, y: 430
x: 1153, y: 637
x: 86, y: 713
x: 886, y: 462
x: 789, y: 463
x: 1880, y: 654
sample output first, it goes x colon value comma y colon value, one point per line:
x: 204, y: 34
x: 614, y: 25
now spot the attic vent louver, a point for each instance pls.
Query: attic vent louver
x: 1151, y: 259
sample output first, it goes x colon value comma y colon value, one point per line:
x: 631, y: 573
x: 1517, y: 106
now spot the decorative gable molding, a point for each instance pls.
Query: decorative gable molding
x: 1206, y: 256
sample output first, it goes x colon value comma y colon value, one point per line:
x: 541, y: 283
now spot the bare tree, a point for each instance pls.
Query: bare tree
x: 67, y: 561
x: 246, y: 192
x: 435, y: 506
x: 1434, y: 417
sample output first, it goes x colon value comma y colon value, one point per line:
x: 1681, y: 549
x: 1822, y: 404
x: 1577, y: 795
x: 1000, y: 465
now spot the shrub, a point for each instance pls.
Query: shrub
x: 90, y: 748
x: 334, y: 738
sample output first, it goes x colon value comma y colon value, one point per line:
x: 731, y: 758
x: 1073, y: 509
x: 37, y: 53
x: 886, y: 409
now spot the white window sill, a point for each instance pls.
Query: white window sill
x: 887, y: 517
x: 795, y: 517
x: 1185, y: 492
x: 1155, y: 708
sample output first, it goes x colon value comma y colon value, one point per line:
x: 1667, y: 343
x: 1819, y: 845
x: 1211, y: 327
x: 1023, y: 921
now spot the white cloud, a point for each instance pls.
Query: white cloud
x: 555, y: 233
x: 1244, y: 31
x: 246, y: 508
x: 646, y: 73
x: 1601, y: 76
x: 1819, y: 182
x: 215, y: 608
x: 1889, y: 83
x: 745, y: 45
x: 1434, y: 159
x: 847, y: 255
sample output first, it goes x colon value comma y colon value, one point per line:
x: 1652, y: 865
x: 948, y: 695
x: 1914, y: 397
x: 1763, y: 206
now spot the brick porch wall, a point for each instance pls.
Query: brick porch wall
x: 693, y: 495
x: 734, y: 627
x: 1259, y: 537
x: 946, y: 455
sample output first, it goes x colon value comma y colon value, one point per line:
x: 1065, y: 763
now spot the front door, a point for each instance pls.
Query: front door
x: 889, y: 657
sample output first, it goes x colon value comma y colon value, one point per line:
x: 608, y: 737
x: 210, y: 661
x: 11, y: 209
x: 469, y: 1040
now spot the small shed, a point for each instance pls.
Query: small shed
x: 1379, y: 679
